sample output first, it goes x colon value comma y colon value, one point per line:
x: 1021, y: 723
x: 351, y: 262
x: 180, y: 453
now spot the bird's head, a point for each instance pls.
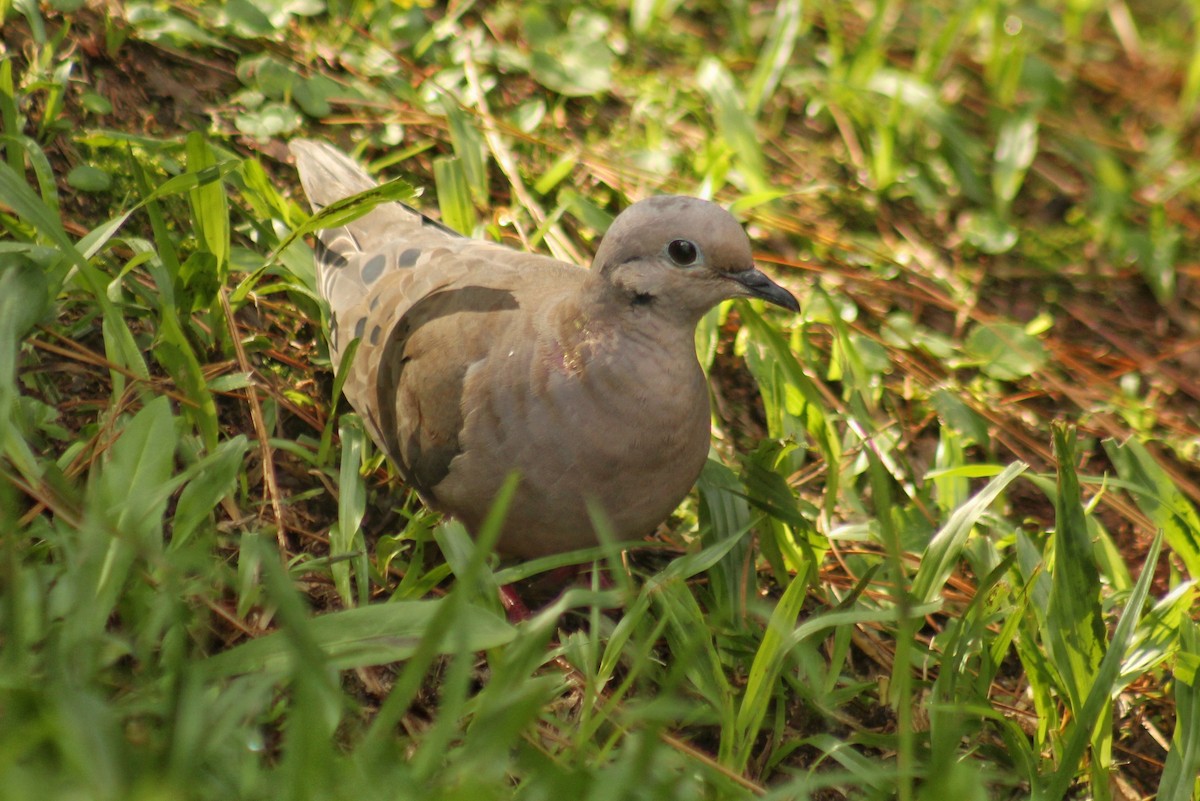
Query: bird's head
x: 681, y: 256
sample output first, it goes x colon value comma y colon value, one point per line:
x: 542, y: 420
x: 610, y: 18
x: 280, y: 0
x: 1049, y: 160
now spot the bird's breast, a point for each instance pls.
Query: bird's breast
x: 624, y: 428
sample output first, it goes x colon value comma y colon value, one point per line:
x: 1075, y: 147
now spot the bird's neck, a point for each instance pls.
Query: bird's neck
x: 603, y: 302
x: 602, y: 324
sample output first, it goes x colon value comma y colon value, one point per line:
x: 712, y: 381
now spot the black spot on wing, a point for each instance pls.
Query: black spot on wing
x: 373, y: 268
x: 429, y: 222
x: 327, y: 256
x: 409, y: 257
x: 425, y: 440
x: 432, y: 223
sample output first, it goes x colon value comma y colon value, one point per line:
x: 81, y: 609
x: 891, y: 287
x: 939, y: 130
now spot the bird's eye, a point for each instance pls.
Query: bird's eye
x: 682, y: 252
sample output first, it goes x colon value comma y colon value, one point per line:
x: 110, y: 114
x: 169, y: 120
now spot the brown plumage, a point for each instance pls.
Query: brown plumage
x: 477, y: 360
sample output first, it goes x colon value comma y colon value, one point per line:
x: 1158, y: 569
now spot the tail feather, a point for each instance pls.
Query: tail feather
x: 352, y: 259
x: 328, y: 175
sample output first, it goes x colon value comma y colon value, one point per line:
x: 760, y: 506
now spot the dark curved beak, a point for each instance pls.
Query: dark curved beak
x: 758, y: 285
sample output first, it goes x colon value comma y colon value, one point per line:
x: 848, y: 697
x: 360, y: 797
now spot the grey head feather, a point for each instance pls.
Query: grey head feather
x: 648, y: 226
x: 682, y: 255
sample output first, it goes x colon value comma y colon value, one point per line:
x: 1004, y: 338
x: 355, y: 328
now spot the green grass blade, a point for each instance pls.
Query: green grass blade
x: 724, y: 514
x: 946, y: 548
x: 469, y: 151
x: 377, y: 634
x: 1091, y: 714
x: 210, y: 205
x: 118, y: 339
x: 734, y: 122
x: 339, y: 381
x: 214, y: 477
x: 1075, y: 636
x: 24, y: 302
x: 1159, y: 499
x: 817, y: 423
x: 775, y: 54
x: 454, y: 194
x: 1181, y: 773
x: 11, y: 119
x: 344, y: 211
x: 1016, y: 147
x: 346, y: 540
x: 140, y: 465
x: 174, y: 351
x: 762, y: 682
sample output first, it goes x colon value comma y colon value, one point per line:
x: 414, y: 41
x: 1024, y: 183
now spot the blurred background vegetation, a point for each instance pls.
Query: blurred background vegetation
x: 946, y: 543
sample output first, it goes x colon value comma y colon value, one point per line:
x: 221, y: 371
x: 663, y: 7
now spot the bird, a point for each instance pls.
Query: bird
x: 476, y: 360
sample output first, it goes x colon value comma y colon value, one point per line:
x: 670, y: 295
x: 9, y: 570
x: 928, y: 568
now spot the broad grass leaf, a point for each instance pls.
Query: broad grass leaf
x: 43, y: 218
x: 467, y: 555
x: 171, y: 27
x: 644, y: 13
x: 245, y: 19
x: 762, y: 682
x: 191, y: 180
x: 11, y: 119
x: 133, y: 483
x: 987, y: 231
x: 231, y: 382
x: 313, y: 95
x: 810, y: 401
x: 1016, y: 146
x: 860, y: 770
x: 1159, y: 635
x: 734, y: 123
x: 635, y: 615
x: 1005, y: 351
x: 370, y: 635
x: 788, y: 537
x: 269, y: 120
x: 946, y: 547
x: 339, y: 381
x: 176, y: 354
x: 1159, y: 499
x: 22, y: 148
x: 470, y: 152
x: 210, y: 204
x: 556, y: 173
x: 342, y: 212
x: 956, y: 414
x: 345, y: 539
x: 1091, y: 715
x: 1075, y: 636
x: 87, y: 178
x: 215, y: 476
x: 574, y: 61
x: 708, y: 335
x: 454, y: 194
x: 690, y: 638
x: 267, y: 75
x: 1181, y: 772
x: 724, y: 514
x: 24, y: 301
x: 678, y: 571
x: 776, y: 53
